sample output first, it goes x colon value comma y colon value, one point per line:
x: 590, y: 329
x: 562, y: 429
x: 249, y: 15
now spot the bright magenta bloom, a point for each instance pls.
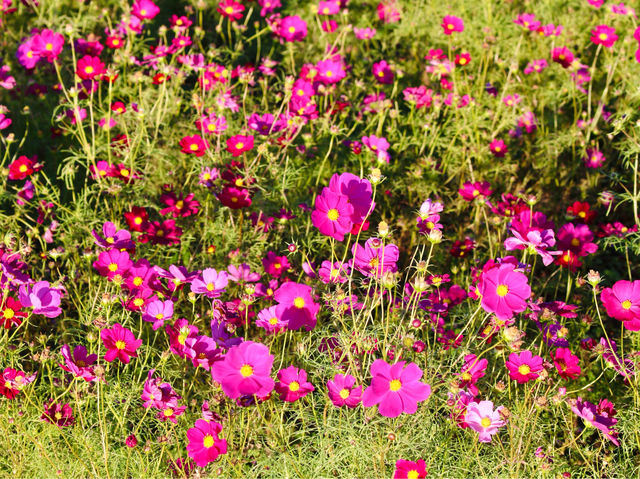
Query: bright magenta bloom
x: 576, y: 238
x: 593, y: 158
x: 343, y: 392
x: 296, y: 306
x: 48, y: 45
x: 374, y: 259
x: 452, y: 24
x: 478, y: 190
x: 472, y: 370
x: 90, y: 67
x: 194, y: 145
x: 205, y: 444
x: 245, y: 370
x: 382, y: 72
x: 504, y: 291
x: 524, y: 367
x: 498, y: 148
x: 145, y: 9
x: 293, y: 384
x: 332, y: 214
x: 483, y: 419
x: 622, y: 301
x: 563, y: 56
x: 410, y: 469
x: 238, y: 144
x: 566, y: 363
x: 120, y: 343
x: 330, y: 71
x: 292, y: 29
x: 230, y: 9
x: 604, y: 35
x: 395, y: 389
x: 212, y: 283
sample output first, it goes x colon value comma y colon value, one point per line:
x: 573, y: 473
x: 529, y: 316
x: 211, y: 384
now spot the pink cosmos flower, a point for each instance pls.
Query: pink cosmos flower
x: 382, y: 72
x: 337, y: 272
x: 212, y: 283
x: 364, y: 33
x: 293, y: 384
x: 238, y: 144
x: 410, y: 469
x: 292, y: 29
x: 622, y: 302
x: 482, y: 418
x: 332, y: 214
x: 593, y: 158
x: 566, y: 363
x: 245, y: 370
x: 563, y: 56
x: 604, y: 35
x: 328, y: 7
x: 120, y: 343
x: 472, y: 370
x: 48, y: 45
x: 296, y: 306
x: 231, y: 9
x: 112, y: 237
x: 504, y: 291
x: 375, y: 258
x: 330, y: 71
x: 478, y: 190
x: 144, y: 9
x: 498, y: 148
x: 57, y: 413
x: 13, y: 381
x: 524, y: 367
x: 268, y: 319
x: 395, y: 389
x: 157, y: 312
x: 536, y: 242
x: 90, y: 67
x: 194, y: 145
x: 113, y: 264
x: 202, y: 350
x: 205, y: 444
x: 41, y: 297
x: 576, y: 238
x: 158, y: 394
x: 80, y: 363
x: 452, y: 24
x: 343, y: 392
x: 600, y: 417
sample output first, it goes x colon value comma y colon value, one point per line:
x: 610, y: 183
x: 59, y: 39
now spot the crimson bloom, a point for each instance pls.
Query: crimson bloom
x: 205, y: 444
x: 59, y: 414
x: 563, y: 56
x: 238, y: 144
x: 235, y: 198
x: 230, y: 9
x: 622, y: 302
x: 11, y: 312
x: 504, y: 291
x: 245, y: 370
x: 566, y: 363
x: 194, y: 145
x: 120, y: 343
x: 524, y: 367
x: 22, y: 167
x: 452, y: 24
x: 395, y: 388
x: 296, y: 306
x: 293, y: 384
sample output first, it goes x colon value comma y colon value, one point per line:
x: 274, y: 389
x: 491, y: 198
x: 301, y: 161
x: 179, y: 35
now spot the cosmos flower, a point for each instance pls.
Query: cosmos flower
x: 482, y: 418
x: 343, y: 391
x: 504, y: 291
x: 205, y: 443
x: 524, y: 366
x: 622, y: 302
x: 120, y: 343
x: 292, y: 384
x: 245, y: 370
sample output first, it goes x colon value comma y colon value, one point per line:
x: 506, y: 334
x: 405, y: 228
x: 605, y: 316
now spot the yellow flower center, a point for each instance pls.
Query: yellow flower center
x: 413, y: 474
x: 485, y: 422
x: 524, y: 369
x: 273, y: 321
x: 113, y: 267
x: 333, y: 214
x: 626, y: 304
x: 49, y: 46
x: 193, y: 147
x: 8, y: 313
x: 502, y: 290
x: 138, y: 302
x: 137, y: 281
x: 603, y: 36
x: 159, y: 316
x: 344, y: 393
x: 179, y: 204
x: 575, y: 242
x: 246, y: 371
x: 292, y: 29
x: 329, y: 73
x: 466, y: 376
x: 395, y: 385
x: 110, y: 240
x: 208, y: 441
x: 229, y: 10
x: 168, y: 412
x: 23, y: 168
x: 137, y: 220
x: 121, y: 345
x: 294, y: 386
x: 239, y: 145
x: 299, y: 302
x: 88, y: 70
x: 210, y: 286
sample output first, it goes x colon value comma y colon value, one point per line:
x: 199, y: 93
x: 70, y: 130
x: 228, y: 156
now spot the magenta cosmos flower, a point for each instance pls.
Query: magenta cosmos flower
x: 452, y: 24
x: 80, y: 364
x: 296, y: 306
x: 504, y: 291
x: 42, y: 298
x: 395, y: 389
x: 205, y: 444
x: 410, y: 469
x: 358, y: 191
x: 332, y: 214
x: 120, y: 343
x: 622, y: 302
x: 211, y: 283
x: 245, y: 370
x: 375, y: 258
x: 293, y: 384
x: 567, y: 363
x: 604, y: 35
x: 599, y: 417
x: 292, y: 29
x: 524, y: 367
x: 482, y: 418
x: 343, y: 392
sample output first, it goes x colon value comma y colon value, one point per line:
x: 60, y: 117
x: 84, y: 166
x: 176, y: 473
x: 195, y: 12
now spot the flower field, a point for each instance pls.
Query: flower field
x: 335, y: 238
